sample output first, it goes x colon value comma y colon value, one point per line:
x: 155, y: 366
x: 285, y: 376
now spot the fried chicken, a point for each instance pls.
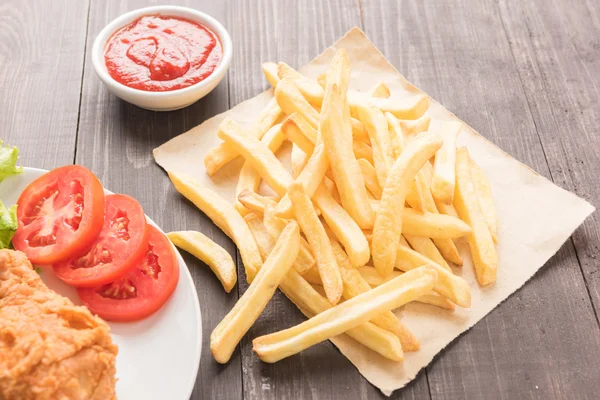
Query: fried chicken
x: 49, y: 348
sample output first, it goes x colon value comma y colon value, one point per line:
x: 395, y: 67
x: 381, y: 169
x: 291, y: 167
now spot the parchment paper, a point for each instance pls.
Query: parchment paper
x: 535, y: 216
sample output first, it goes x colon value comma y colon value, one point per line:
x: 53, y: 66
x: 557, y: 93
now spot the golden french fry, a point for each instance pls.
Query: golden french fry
x: 254, y: 201
x: 442, y: 186
x: 318, y: 241
x: 448, y: 285
x: 224, y: 153
x: 258, y: 155
x: 370, y: 177
x: 380, y: 90
x: 275, y: 226
x: 355, y: 284
x: 362, y: 150
x: 311, y: 303
x: 210, y: 253
x: 310, y: 177
x: 343, y: 227
x: 407, y: 107
x: 299, y: 132
x: 224, y: 216
x: 226, y: 336
x: 371, y: 276
x: 270, y: 71
x: 427, y: 248
x: 335, y: 132
x: 351, y: 313
x: 486, y: 200
x: 291, y: 101
x: 310, y: 89
x: 433, y: 225
x: 388, y: 221
x: 380, y: 139
x: 412, y: 127
x: 249, y: 178
x: 485, y: 258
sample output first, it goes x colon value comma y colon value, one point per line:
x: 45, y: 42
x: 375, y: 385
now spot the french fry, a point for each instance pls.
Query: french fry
x: 379, y: 136
x: 311, y: 303
x: 427, y: 248
x: 371, y: 276
x: 442, y: 186
x: 351, y: 313
x: 226, y: 336
x: 411, y: 128
x: 258, y: 155
x: 249, y: 178
x: 210, y: 253
x: 275, y: 226
x: 388, y: 221
x: 380, y: 90
x: 255, y: 202
x: 355, y: 284
x: 270, y: 72
x: 370, y: 177
x: 448, y: 285
x: 343, y: 227
x: 299, y: 132
x: 335, y: 132
x: 298, y: 160
x: 224, y: 153
x: 485, y: 258
x: 224, y: 216
x: 433, y: 225
x: 332, y: 189
x: 486, y: 201
x: 310, y: 89
x: 410, y: 107
x: 318, y: 241
x: 310, y: 177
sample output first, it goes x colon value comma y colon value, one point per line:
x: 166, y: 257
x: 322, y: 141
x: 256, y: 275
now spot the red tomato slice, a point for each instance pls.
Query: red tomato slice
x: 59, y: 214
x: 143, y: 290
x: 121, y: 244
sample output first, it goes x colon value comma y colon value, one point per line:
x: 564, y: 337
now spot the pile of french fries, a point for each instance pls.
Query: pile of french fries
x: 365, y: 222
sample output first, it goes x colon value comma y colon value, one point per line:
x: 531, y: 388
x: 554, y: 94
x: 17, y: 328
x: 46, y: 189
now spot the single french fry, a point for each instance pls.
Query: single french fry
x: 371, y: 276
x: 351, y: 313
x: 412, y: 127
x: 426, y: 247
x: 380, y: 90
x: 249, y: 178
x: 210, y: 253
x: 355, y: 284
x: 388, y: 221
x: 442, y: 186
x: 483, y: 252
x: 311, y: 303
x: 310, y: 89
x: 318, y: 241
x: 380, y: 139
x: 335, y: 132
x: 448, y: 285
x: 407, y: 107
x: 270, y: 71
x: 275, y: 226
x: 291, y: 101
x: 370, y: 177
x: 224, y: 153
x: 310, y: 177
x: 258, y: 155
x: 486, y: 200
x: 343, y: 227
x: 433, y: 225
x: 226, y: 336
x: 255, y: 202
x: 224, y: 216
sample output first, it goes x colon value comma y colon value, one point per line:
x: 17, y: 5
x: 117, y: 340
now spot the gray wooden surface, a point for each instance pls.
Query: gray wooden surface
x: 526, y: 74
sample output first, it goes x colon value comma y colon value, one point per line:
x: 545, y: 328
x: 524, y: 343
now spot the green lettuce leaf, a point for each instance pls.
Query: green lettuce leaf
x: 8, y: 225
x: 8, y: 161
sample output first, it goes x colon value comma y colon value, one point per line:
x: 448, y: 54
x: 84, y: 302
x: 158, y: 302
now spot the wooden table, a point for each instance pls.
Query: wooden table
x: 526, y: 74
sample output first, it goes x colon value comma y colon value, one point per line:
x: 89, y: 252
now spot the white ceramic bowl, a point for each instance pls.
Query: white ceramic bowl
x: 170, y: 100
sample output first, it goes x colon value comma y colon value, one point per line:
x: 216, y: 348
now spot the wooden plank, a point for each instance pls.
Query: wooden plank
x: 116, y: 141
x: 294, y: 32
x: 41, y: 61
x: 557, y: 52
x: 543, y: 341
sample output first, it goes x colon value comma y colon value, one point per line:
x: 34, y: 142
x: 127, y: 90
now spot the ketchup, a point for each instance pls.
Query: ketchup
x: 160, y: 53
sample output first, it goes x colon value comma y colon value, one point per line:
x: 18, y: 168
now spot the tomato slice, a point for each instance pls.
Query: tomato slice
x: 144, y: 290
x: 59, y: 214
x: 119, y: 246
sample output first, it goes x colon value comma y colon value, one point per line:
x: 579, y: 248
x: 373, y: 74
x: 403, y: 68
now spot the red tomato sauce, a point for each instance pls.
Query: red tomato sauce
x: 161, y: 53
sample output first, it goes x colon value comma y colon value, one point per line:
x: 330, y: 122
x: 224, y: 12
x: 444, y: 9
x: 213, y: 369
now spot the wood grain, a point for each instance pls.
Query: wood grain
x: 41, y: 61
x: 459, y: 54
x: 116, y: 141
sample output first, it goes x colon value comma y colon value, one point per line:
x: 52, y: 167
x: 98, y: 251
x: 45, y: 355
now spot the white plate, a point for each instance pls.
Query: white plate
x: 158, y: 356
